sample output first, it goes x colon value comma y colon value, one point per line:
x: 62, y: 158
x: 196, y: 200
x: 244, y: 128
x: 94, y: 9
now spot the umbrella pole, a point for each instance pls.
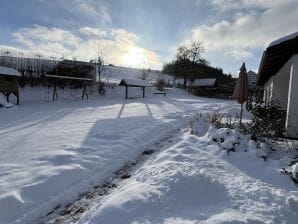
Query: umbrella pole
x: 241, y: 111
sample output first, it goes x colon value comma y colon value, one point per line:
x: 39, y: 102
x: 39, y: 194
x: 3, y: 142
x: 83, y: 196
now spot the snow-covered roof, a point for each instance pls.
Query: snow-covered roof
x: 9, y: 71
x: 276, y: 56
x: 134, y: 82
x: 67, y: 77
x: 283, y: 39
x: 204, y: 82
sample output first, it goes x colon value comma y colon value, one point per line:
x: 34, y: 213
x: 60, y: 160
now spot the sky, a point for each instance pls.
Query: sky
x: 146, y: 33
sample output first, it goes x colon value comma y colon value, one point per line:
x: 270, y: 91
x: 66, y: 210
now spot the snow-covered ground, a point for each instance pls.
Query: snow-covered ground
x: 197, y: 181
x: 4, y: 103
x: 52, y: 151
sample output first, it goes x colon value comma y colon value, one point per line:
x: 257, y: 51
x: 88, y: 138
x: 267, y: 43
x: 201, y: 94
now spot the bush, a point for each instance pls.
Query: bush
x: 268, y: 121
x: 215, y: 118
x: 160, y: 84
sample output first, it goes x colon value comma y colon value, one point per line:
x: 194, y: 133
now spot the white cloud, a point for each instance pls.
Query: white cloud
x: 248, y: 30
x: 226, y: 5
x: 93, y: 10
x: 91, y: 31
x: 29, y: 36
x: 122, y: 36
x: 52, y: 41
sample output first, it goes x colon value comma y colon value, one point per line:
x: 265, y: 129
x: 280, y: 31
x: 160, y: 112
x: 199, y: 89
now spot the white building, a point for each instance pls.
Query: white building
x: 252, y: 80
x: 278, y: 74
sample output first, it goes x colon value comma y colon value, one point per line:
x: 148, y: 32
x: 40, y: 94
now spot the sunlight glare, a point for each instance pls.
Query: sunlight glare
x: 135, y: 57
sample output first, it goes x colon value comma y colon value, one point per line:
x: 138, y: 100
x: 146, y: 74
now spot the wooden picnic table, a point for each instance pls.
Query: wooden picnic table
x: 162, y: 93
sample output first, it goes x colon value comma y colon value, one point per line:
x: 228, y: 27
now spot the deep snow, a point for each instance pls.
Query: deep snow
x: 197, y: 181
x: 52, y: 151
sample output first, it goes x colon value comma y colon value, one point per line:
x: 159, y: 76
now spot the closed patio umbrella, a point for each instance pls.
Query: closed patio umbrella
x: 241, y: 89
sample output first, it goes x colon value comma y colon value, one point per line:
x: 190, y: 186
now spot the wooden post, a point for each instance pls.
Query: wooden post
x: 241, y: 111
x: 84, y: 92
x: 7, y: 97
x: 55, y: 94
x: 126, y: 92
x: 18, y: 98
x: 143, y: 92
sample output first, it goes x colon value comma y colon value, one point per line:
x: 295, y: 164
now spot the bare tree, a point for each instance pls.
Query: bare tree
x: 144, y: 74
x: 187, y: 57
x: 101, y: 57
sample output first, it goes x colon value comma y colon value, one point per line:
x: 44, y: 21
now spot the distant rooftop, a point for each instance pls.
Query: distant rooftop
x: 9, y: 71
x: 204, y: 82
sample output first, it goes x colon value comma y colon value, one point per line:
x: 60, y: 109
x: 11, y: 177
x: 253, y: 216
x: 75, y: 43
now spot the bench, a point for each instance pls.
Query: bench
x: 162, y: 93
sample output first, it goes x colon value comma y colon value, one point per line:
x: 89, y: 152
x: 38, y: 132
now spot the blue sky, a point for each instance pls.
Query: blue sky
x: 146, y: 33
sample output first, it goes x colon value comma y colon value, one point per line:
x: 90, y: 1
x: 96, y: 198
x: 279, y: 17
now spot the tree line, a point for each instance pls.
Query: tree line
x: 189, y: 65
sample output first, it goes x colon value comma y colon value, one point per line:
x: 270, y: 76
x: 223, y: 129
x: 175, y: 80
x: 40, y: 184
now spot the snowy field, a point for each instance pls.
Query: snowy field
x: 53, y: 151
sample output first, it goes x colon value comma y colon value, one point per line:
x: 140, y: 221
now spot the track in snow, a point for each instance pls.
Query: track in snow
x: 71, y: 212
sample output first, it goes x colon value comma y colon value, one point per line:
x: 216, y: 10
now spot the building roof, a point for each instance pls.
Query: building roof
x: 67, y: 77
x: 275, y: 56
x: 134, y: 82
x: 9, y: 71
x: 67, y: 62
x: 204, y: 82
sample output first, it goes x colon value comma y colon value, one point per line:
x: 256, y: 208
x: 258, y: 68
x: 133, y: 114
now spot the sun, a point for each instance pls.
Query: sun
x: 135, y: 57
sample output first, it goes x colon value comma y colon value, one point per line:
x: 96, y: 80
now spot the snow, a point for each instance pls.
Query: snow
x: 197, y: 181
x: 4, y: 103
x: 53, y: 151
x: 283, y: 39
x: 9, y: 71
x: 295, y: 170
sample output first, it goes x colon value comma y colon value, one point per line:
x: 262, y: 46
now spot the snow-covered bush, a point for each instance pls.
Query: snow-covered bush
x: 223, y: 120
x: 228, y: 139
x: 233, y: 140
x: 198, y: 125
x: 292, y: 171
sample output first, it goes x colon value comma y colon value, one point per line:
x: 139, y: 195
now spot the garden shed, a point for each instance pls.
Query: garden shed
x: 9, y: 83
x: 203, y: 87
x: 134, y: 83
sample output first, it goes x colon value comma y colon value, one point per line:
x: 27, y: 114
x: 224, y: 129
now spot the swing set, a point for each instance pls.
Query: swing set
x: 55, y: 80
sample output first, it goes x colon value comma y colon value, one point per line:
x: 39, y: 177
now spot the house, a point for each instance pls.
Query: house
x: 203, y: 87
x: 9, y: 82
x: 252, y: 80
x: 278, y: 75
x: 211, y: 82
